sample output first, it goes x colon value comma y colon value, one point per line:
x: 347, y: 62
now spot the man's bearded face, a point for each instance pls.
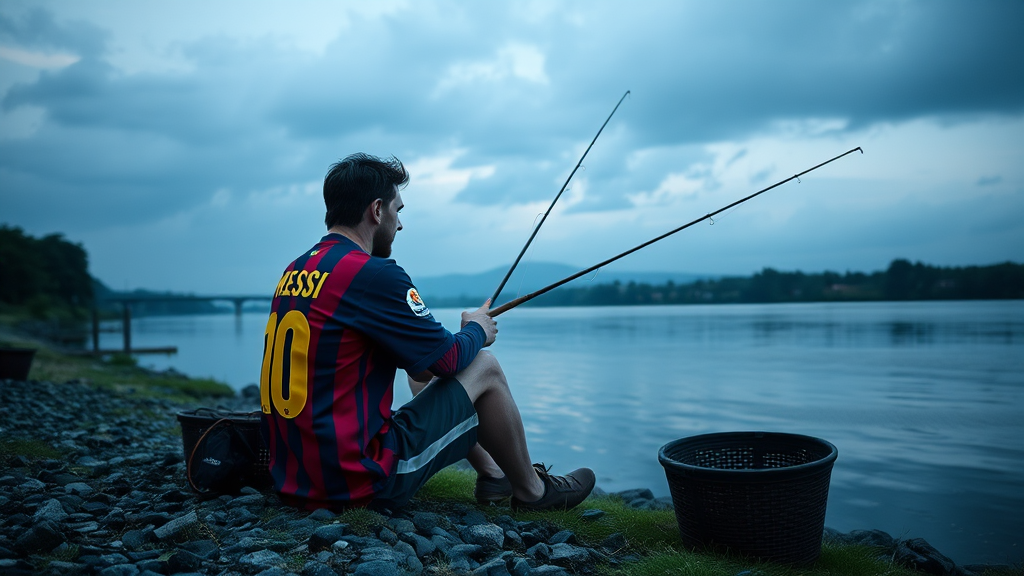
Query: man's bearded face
x: 384, y: 235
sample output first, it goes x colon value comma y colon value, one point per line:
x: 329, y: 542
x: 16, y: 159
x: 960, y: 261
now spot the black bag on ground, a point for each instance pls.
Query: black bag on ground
x: 220, y: 460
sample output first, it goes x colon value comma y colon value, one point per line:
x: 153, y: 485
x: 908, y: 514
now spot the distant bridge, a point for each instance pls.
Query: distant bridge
x: 126, y: 317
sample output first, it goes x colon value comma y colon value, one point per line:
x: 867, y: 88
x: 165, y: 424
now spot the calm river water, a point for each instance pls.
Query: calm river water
x: 925, y: 400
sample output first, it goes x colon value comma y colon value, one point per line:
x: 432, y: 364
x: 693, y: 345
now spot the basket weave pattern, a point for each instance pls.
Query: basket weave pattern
x: 755, y: 493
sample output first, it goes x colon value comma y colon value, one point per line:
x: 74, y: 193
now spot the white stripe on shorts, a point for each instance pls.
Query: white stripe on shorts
x: 422, y: 459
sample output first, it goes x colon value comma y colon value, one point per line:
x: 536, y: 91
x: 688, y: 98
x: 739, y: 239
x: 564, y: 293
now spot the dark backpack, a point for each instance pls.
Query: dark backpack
x: 221, y: 460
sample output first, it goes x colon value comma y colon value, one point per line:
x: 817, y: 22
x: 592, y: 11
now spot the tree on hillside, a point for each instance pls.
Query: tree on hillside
x: 43, y: 272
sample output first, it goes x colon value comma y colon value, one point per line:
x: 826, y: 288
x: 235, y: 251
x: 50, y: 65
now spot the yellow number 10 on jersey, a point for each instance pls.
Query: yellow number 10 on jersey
x: 272, y: 379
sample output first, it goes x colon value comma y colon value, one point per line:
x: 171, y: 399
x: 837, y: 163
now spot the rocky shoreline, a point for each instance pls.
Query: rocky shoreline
x: 93, y: 482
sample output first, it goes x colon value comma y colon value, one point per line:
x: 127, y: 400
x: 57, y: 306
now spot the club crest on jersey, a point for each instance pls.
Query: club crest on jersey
x: 412, y: 297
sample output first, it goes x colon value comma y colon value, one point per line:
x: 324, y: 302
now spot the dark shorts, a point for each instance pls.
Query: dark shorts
x: 433, y: 430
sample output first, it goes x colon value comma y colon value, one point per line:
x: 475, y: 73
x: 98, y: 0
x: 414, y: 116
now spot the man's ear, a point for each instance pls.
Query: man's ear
x: 376, y: 209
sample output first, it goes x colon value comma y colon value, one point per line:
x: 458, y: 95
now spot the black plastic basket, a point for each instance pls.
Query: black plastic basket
x: 760, y: 494
x: 15, y: 363
x: 195, y: 422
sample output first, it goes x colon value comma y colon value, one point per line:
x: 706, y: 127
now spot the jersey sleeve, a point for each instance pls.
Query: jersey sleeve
x: 393, y: 315
x: 468, y: 343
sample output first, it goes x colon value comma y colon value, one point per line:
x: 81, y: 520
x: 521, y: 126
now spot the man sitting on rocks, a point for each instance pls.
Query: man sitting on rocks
x: 344, y: 317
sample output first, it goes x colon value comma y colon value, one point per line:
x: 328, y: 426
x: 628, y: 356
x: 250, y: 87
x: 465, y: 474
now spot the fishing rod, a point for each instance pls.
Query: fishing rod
x: 513, y: 303
x: 541, y: 223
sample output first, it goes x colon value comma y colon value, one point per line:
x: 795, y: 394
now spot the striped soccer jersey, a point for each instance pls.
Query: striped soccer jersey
x: 341, y: 323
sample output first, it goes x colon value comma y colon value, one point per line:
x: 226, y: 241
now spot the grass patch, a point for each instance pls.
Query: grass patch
x: 294, y: 562
x: 362, y: 521
x: 450, y: 485
x: 654, y: 535
x: 118, y: 372
x: 32, y: 449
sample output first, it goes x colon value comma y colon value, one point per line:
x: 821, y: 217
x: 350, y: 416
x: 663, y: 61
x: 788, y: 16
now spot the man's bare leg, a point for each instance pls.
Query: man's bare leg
x: 478, y: 458
x: 501, y: 432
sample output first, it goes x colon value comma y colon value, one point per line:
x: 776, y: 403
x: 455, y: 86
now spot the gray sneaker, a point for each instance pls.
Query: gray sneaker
x: 492, y: 489
x: 560, y: 492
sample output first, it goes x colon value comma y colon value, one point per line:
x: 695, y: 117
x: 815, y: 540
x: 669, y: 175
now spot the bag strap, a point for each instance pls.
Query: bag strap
x: 188, y: 467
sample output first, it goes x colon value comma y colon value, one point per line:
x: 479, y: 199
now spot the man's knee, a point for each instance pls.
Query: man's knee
x: 489, y: 366
x: 482, y: 374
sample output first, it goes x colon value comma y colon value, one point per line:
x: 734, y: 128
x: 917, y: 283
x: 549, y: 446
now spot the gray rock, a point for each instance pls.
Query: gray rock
x: 871, y: 538
x: 426, y: 521
x: 382, y: 553
x: 540, y: 552
x: 563, y: 537
x: 421, y: 545
x: 51, y: 511
x: 338, y: 546
x: 465, y: 551
x: 441, y: 543
x: 120, y: 570
x: 175, y: 527
x: 135, y: 539
x: 387, y: 535
x: 59, y: 567
x: 489, y: 536
x: 115, y: 520
x: 614, y: 542
x: 918, y: 554
x: 512, y: 539
x: 321, y: 515
x: 834, y: 536
x: 495, y: 567
x: 593, y: 514
x: 79, y: 488
x: 205, y: 549
x: 314, y: 568
x: 324, y: 536
x: 569, y: 555
x: 261, y: 559
x: 157, y: 519
x: 184, y: 561
x: 377, y: 568
x: 401, y: 525
x: 473, y: 517
x: 548, y: 570
x: 31, y: 485
x: 250, y: 500
x: 112, y: 559
x: 520, y: 567
x: 42, y: 537
x: 635, y: 494
x: 404, y: 550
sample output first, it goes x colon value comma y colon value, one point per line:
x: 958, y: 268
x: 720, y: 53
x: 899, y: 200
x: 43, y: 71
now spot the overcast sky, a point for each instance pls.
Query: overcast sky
x: 185, y: 143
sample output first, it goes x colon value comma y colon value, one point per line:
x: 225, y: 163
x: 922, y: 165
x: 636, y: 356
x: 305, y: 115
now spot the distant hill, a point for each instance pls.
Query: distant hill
x: 530, y: 276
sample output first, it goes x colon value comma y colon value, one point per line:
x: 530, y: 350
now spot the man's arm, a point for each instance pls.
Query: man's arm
x: 478, y: 331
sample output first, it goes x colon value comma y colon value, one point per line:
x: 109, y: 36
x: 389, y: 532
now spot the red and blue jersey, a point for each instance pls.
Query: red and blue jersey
x: 341, y: 323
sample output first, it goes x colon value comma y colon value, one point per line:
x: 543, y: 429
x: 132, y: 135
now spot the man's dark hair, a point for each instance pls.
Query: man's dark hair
x: 355, y: 182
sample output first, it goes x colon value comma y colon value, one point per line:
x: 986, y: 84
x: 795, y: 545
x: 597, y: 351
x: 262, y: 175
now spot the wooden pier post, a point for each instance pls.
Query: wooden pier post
x: 95, y: 328
x: 127, y: 327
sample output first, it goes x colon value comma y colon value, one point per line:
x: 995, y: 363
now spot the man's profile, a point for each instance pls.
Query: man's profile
x: 344, y: 318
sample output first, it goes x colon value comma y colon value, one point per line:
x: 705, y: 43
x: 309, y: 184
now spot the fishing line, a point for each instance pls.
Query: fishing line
x: 559, y: 195
x: 513, y: 303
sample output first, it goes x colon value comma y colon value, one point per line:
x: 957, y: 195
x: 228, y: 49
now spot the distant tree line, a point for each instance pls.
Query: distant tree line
x: 903, y: 280
x: 48, y: 278
x: 43, y: 274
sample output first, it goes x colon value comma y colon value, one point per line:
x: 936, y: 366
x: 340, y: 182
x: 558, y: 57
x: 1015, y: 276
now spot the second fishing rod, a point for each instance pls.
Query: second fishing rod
x: 513, y: 303
x: 536, y: 229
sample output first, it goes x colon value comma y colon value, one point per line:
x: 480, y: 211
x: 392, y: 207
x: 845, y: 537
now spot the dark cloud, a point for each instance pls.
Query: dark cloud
x: 38, y: 29
x: 253, y: 115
